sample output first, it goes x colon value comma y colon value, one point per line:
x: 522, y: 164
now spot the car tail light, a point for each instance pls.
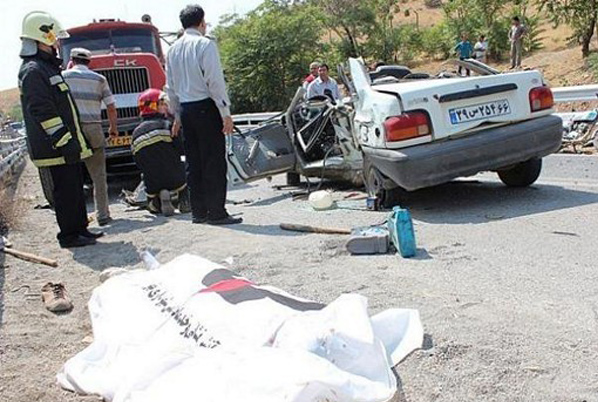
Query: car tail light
x: 540, y: 98
x: 407, y: 125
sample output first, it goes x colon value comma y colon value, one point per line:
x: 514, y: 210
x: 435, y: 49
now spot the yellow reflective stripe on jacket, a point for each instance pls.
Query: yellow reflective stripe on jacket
x: 65, y: 138
x: 49, y: 162
x: 85, y: 151
x: 150, y: 141
x: 50, y: 123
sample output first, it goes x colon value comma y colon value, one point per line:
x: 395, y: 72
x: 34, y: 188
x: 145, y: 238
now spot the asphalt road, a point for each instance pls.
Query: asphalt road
x: 505, y: 281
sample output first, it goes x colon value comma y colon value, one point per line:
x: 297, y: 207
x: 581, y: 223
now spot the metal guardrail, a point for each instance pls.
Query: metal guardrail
x: 579, y: 93
x: 12, y: 152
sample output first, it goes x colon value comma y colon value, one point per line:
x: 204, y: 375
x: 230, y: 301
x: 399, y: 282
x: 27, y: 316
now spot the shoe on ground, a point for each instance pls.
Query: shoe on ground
x: 92, y: 235
x: 56, y: 298
x: 184, y: 202
x: 226, y: 220
x: 166, y: 203
x: 77, y: 241
x: 199, y: 219
x: 105, y: 221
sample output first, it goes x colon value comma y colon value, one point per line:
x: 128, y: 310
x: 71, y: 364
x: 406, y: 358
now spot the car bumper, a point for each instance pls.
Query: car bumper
x: 439, y: 162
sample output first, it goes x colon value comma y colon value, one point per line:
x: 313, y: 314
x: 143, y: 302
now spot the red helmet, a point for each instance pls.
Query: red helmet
x: 148, y: 102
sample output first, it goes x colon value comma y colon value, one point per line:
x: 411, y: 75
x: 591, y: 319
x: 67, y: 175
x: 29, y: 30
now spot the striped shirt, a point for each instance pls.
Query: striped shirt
x: 89, y: 89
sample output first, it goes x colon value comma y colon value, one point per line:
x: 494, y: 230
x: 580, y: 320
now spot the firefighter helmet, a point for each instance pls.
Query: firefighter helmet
x: 148, y: 101
x: 42, y: 27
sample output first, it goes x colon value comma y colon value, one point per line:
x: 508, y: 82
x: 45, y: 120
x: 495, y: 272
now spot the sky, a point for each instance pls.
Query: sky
x: 73, y: 13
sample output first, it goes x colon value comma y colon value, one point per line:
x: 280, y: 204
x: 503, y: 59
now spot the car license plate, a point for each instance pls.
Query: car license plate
x: 481, y: 111
x: 120, y: 141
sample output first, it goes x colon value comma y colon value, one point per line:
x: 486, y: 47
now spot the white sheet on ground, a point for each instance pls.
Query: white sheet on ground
x: 192, y: 330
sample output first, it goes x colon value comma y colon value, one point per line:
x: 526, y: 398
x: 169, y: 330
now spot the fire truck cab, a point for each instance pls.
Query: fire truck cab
x: 131, y: 58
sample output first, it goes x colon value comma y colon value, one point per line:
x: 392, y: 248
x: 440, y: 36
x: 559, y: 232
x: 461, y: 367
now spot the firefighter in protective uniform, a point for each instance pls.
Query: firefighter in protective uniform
x: 54, y: 136
x: 156, y: 155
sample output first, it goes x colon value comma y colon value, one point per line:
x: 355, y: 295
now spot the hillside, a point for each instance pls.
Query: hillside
x: 8, y: 99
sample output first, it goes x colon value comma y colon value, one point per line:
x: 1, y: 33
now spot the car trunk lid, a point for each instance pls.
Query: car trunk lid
x: 459, y: 106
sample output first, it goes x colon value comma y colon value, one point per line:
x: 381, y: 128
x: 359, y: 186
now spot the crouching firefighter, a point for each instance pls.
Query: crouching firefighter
x: 158, y: 158
x: 54, y: 137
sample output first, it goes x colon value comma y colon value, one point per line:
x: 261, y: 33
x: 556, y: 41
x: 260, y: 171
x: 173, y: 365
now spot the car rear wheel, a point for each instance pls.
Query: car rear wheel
x: 45, y: 178
x: 523, y: 174
x: 377, y: 185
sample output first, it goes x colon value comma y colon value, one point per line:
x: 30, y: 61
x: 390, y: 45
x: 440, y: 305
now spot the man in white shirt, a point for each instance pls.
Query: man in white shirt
x: 324, y: 85
x: 198, y: 99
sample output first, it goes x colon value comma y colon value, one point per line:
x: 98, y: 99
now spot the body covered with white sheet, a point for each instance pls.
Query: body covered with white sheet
x: 192, y: 330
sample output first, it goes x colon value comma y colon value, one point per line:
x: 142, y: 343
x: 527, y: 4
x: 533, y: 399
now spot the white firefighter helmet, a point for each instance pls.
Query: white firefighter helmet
x: 42, y: 27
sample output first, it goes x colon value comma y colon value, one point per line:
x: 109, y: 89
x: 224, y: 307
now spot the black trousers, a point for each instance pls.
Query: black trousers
x: 206, y: 160
x: 69, y: 200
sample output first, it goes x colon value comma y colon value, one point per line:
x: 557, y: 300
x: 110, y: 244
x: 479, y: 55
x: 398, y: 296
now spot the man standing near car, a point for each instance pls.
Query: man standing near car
x: 54, y: 136
x: 89, y: 90
x: 324, y: 85
x: 197, y: 93
x: 516, y: 35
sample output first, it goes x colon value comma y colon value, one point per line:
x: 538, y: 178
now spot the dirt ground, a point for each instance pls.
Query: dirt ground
x: 504, y: 280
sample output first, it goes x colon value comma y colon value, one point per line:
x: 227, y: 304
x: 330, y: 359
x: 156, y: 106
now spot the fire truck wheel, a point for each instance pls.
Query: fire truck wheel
x: 47, y: 185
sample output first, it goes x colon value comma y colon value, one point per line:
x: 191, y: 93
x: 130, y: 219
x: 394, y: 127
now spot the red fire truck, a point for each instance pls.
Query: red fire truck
x: 131, y: 58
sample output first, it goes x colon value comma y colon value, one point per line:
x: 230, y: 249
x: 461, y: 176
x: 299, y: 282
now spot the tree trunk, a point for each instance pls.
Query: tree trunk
x: 587, y: 38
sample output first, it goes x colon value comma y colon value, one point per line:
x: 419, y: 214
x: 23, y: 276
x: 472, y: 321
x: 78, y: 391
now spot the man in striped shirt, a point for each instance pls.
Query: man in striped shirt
x: 89, y: 90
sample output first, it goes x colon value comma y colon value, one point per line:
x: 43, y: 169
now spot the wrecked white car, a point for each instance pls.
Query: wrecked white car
x: 401, y: 131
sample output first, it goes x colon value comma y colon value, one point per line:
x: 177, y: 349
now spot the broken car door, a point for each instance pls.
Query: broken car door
x: 258, y: 153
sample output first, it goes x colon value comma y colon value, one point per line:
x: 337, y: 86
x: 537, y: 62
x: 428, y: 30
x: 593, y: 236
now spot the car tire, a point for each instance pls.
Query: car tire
x: 293, y: 179
x: 523, y: 174
x: 45, y: 178
x: 377, y: 185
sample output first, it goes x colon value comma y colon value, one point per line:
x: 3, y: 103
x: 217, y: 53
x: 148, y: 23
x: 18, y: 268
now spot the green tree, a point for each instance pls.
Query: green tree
x: 266, y: 54
x: 581, y: 15
x: 349, y: 20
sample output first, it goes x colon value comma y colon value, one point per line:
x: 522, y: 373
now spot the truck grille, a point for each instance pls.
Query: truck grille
x: 126, y: 80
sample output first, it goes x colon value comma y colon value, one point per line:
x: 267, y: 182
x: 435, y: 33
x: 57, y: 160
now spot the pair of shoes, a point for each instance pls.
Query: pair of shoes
x: 226, y: 220
x: 199, y: 219
x: 166, y: 203
x: 55, y: 298
x: 91, y: 235
x: 77, y: 241
x: 105, y: 221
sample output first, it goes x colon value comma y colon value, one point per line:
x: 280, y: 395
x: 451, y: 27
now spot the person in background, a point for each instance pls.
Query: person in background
x: 54, y: 137
x: 516, y: 35
x: 481, y: 49
x: 324, y: 85
x: 464, y: 51
x: 313, y: 68
x: 157, y: 157
x: 197, y: 93
x: 90, y: 90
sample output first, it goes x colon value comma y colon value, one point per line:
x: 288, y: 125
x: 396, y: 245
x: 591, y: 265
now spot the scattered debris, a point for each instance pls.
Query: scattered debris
x: 369, y: 240
x: 6, y: 249
x: 579, y: 130
x: 313, y: 229
x: 556, y: 232
x: 239, y: 202
x: 321, y: 200
x: 56, y: 298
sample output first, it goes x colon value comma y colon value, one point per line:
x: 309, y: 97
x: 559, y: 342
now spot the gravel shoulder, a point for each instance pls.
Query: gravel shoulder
x: 504, y: 280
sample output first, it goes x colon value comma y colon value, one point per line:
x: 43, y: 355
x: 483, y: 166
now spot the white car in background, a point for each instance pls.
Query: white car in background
x: 403, y: 131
